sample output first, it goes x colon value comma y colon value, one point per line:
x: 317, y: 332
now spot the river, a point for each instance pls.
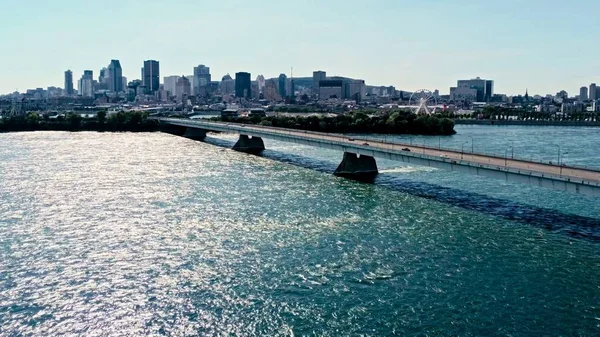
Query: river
x: 105, y: 234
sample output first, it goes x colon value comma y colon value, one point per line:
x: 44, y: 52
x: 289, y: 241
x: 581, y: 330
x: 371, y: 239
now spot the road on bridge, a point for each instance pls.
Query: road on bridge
x: 569, y: 173
x: 566, y: 172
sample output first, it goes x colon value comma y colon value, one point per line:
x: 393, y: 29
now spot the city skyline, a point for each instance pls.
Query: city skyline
x: 541, y: 52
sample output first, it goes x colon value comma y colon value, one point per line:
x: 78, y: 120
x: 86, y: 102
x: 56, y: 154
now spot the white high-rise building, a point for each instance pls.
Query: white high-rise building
x: 260, y: 81
x: 86, y: 84
x: 170, y: 85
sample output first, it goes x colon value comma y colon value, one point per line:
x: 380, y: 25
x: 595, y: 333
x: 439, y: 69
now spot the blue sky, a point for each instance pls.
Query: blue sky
x: 545, y: 45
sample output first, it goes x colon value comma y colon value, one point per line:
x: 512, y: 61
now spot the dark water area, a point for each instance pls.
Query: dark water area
x: 156, y: 235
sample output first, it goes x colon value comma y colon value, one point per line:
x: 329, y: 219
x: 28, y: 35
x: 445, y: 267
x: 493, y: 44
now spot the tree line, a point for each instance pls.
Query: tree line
x: 388, y: 122
x: 133, y: 121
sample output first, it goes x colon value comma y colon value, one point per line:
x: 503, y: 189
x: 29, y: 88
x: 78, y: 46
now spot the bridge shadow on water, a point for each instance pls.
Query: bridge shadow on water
x: 555, y: 221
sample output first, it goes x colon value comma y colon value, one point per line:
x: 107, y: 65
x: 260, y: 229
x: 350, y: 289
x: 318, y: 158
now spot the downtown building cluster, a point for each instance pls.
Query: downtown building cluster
x: 198, y: 88
x: 320, y: 92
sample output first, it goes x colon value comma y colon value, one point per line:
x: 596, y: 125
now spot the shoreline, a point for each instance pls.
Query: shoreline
x: 523, y: 123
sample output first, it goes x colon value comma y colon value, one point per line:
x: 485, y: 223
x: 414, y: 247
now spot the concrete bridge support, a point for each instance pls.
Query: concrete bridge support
x: 254, y: 145
x: 363, y: 168
x: 195, y: 134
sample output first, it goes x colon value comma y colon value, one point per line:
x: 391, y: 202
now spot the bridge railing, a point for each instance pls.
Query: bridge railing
x: 395, y: 147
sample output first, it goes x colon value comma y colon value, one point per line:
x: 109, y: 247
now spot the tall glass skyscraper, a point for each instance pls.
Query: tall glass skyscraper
x: 243, y: 85
x: 69, y: 83
x: 201, y: 78
x: 151, y: 76
x: 115, y: 76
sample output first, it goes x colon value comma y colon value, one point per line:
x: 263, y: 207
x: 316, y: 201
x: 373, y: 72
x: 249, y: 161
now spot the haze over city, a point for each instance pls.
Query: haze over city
x: 408, y: 44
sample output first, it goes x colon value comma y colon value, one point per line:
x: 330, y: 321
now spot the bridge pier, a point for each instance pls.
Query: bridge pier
x: 195, y: 134
x: 254, y: 145
x: 363, y: 168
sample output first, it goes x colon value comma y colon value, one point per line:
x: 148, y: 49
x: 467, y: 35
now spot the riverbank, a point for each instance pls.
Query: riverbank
x: 117, y: 122
x: 396, y: 122
x: 525, y: 123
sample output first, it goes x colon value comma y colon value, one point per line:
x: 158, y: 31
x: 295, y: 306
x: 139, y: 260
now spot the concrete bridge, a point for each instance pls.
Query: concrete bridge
x: 359, y: 156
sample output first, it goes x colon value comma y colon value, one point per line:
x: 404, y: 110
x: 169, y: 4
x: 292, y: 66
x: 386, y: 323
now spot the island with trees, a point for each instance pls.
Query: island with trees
x: 132, y: 121
x: 363, y: 122
x: 386, y: 122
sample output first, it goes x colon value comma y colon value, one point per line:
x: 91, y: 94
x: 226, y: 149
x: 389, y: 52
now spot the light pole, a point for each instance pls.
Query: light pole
x: 472, y: 145
x: 558, y: 146
x: 512, y: 146
x: 440, y: 143
x: 462, y: 150
x: 506, y: 156
x: 563, y: 159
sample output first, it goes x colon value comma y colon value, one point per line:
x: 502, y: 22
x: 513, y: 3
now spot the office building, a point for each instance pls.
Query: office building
x: 151, y: 76
x: 170, y: 85
x: 260, y: 83
x: 227, y: 85
x: 270, y: 91
x: 484, y: 88
x: 184, y: 88
x: 489, y: 90
x: 583, y: 94
x: 593, y: 94
x: 355, y: 89
x: 318, y: 76
x: 86, y: 84
x: 68, y: 83
x: 463, y: 94
x: 202, y: 78
x: 115, y: 77
x: 243, y: 85
x: 103, y: 78
x: 282, y: 83
x: 331, y: 89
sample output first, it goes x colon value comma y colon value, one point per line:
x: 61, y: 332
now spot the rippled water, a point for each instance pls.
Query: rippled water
x: 152, y: 234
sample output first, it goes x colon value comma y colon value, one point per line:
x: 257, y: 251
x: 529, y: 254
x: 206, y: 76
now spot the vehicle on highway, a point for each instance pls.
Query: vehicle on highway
x: 444, y: 156
x: 367, y: 144
x: 406, y: 149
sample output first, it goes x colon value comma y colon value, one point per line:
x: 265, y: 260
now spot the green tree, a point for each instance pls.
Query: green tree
x: 74, y: 121
x: 32, y: 119
x: 101, y: 115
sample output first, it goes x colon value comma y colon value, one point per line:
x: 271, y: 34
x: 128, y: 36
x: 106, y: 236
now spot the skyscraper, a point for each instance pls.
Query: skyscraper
x: 69, y: 83
x: 103, y: 75
x: 583, y: 94
x: 151, y: 76
x: 282, y: 85
x: 227, y: 85
x: 201, y: 78
x: 86, y: 84
x: 260, y: 82
x: 170, y: 85
x: 593, y: 94
x: 115, y: 76
x: 317, y: 77
x: 489, y: 90
x: 184, y: 88
x: 243, y: 85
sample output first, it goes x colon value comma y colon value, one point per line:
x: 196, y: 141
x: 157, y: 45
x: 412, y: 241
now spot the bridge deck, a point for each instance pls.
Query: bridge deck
x: 380, y: 148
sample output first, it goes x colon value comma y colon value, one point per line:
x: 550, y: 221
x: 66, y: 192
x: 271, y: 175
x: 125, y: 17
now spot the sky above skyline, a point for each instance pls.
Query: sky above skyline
x: 541, y: 45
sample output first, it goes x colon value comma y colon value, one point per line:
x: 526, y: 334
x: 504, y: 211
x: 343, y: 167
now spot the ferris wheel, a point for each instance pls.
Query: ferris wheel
x: 422, y: 102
